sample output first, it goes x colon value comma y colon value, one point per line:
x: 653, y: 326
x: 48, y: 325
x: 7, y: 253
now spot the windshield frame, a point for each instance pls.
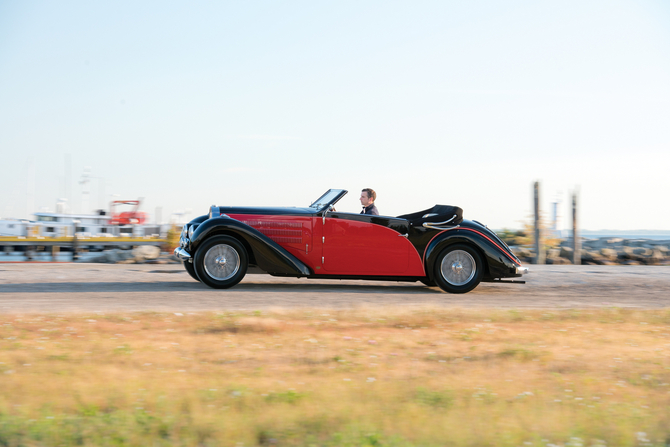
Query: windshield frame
x: 330, y: 197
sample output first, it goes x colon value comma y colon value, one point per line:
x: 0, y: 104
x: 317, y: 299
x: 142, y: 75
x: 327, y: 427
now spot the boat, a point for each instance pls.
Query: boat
x: 15, y: 233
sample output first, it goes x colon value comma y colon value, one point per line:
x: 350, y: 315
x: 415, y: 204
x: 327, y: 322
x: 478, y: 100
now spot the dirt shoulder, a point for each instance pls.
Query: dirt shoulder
x: 138, y: 287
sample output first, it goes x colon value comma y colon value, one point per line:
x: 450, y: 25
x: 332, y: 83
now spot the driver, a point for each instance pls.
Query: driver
x: 368, y: 197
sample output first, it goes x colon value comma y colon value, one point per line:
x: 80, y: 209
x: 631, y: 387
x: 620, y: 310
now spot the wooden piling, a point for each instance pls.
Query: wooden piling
x: 539, y: 249
x: 576, y: 242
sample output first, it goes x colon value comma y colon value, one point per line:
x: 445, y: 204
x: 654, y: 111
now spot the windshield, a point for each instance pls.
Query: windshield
x: 329, y: 198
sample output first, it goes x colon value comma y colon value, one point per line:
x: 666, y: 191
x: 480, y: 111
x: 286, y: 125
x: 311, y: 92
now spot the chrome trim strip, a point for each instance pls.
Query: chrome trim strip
x: 433, y: 224
x: 429, y: 225
x: 445, y: 222
x: 182, y: 254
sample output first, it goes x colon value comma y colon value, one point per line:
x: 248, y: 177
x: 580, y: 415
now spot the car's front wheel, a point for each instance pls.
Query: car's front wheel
x: 221, y: 262
x: 458, y: 269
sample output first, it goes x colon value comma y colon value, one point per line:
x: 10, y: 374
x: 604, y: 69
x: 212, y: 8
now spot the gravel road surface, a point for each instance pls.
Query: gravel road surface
x: 40, y: 287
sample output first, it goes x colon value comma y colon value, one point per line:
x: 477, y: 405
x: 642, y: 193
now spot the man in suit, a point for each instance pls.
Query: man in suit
x: 368, y: 197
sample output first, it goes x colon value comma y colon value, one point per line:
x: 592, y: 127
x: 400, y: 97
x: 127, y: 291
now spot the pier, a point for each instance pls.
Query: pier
x: 74, y: 244
x: 79, y: 241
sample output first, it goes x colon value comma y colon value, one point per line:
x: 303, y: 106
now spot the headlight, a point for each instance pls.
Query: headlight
x: 191, y: 229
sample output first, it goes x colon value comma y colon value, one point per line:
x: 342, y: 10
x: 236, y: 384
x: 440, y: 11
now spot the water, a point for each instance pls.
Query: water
x: 656, y: 235
x: 653, y: 235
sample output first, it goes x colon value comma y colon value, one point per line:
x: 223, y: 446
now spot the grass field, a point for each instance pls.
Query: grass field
x: 323, y: 377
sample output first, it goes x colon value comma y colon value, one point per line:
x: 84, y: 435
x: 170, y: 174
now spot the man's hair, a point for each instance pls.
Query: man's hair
x: 371, y: 193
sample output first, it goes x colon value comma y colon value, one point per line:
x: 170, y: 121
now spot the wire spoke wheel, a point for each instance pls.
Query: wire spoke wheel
x: 458, y: 267
x: 222, y: 262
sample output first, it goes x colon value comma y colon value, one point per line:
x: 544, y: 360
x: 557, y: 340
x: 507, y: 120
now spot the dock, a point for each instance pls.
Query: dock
x: 41, y: 241
x: 74, y: 244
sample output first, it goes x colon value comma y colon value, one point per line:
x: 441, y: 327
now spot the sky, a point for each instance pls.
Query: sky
x: 266, y: 103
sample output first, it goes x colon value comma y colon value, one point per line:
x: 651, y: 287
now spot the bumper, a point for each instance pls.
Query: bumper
x: 519, y: 270
x: 182, y: 254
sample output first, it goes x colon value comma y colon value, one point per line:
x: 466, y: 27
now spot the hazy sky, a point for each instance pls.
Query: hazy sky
x: 190, y: 104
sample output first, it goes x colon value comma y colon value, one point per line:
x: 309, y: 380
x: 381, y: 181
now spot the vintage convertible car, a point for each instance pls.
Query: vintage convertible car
x: 434, y: 246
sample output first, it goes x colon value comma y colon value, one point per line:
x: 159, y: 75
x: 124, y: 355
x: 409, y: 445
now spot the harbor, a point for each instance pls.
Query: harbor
x: 63, y: 237
x: 66, y: 249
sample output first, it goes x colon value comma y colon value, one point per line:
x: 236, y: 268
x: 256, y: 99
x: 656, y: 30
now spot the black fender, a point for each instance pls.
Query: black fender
x: 200, y: 219
x: 266, y: 253
x: 497, y: 262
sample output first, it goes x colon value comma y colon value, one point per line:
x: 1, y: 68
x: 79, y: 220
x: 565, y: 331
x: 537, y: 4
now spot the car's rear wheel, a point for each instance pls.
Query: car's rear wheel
x: 191, y: 270
x: 221, y: 262
x: 458, y: 269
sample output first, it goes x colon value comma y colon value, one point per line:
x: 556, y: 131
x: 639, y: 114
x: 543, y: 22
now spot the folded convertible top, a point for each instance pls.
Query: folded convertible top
x: 436, y: 214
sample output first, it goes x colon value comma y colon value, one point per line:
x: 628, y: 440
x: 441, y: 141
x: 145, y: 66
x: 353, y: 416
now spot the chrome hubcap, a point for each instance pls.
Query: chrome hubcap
x: 458, y: 267
x: 221, y: 262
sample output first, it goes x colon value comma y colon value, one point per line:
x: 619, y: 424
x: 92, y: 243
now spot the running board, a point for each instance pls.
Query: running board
x: 510, y: 281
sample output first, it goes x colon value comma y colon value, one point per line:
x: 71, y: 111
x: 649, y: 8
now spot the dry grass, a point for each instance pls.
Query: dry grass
x: 400, y: 377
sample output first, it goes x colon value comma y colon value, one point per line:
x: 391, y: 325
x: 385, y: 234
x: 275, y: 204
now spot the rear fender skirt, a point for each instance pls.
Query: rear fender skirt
x: 269, y: 256
x: 498, y: 262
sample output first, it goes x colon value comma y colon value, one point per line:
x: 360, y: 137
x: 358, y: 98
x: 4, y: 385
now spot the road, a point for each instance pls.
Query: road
x: 71, y: 287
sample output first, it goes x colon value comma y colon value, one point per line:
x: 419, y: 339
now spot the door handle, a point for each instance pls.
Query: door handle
x: 404, y: 235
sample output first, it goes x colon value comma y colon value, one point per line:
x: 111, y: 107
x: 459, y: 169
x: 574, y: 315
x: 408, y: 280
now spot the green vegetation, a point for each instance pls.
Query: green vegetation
x: 323, y: 377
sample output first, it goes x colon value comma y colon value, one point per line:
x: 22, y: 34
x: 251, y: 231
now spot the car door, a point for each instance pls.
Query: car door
x: 355, y: 244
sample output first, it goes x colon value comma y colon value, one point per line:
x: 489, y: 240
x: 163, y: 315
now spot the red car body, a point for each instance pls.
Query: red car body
x: 435, y: 246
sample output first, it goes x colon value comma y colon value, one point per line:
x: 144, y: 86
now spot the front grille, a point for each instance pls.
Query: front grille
x: 280, y: 232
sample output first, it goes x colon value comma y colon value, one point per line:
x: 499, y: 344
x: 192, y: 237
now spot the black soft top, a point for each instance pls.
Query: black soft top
x: 437, y: 214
